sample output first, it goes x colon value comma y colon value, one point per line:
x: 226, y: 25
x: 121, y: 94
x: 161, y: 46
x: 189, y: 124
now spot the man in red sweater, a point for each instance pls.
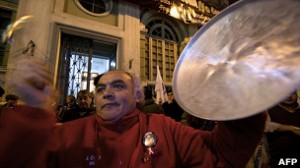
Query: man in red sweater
x: 119, y: 135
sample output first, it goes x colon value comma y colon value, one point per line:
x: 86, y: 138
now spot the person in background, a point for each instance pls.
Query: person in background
x: 83, y: 107
x: 2, y: 92
x: 171, y: 107
x: 149, y: 105
x: 120, y: 135
x: 283, y: 130
x: 11, y: 100
x: 71, y: 102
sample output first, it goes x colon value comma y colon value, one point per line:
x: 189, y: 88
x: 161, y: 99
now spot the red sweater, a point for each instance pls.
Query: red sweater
x: 24, y: 137
x: 81, y: 143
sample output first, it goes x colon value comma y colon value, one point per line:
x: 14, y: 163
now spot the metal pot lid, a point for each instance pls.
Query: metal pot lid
x: 243, y: 61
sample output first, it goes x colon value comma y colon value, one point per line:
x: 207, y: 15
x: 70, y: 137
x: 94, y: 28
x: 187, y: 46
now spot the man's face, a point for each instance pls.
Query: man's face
x: 170, y: 96
x: 115, y: 95
x: 291, y: 99
x: 70, y: 100
x: 84, y: 101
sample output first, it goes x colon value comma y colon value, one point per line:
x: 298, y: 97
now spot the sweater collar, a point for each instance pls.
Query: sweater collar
x: 125, y: 122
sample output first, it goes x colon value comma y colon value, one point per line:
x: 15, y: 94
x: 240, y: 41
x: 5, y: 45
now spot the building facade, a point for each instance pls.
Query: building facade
x: 79, y: 39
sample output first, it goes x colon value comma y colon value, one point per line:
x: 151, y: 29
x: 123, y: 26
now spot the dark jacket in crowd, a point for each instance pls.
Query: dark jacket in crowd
x: 173, y: 110
x: 75, y: 113
x: 283, y: 144
x: 149, y: 106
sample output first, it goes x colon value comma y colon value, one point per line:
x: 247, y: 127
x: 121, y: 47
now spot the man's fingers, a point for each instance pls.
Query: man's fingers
x: 32, y: 81
x: 34, y: 69
x: 31, y: 73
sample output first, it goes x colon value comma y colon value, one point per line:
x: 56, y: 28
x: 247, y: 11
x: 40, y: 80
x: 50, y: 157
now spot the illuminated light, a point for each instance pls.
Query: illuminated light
x: 174, y: 12
x: 113, y: 64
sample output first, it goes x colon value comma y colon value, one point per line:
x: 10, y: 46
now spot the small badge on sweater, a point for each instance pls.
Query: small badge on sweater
x: 149, y: 141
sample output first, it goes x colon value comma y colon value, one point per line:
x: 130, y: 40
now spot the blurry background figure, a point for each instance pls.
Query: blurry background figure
x: 283, y: 130
x: 171, y: 107
x: 2, y: 92
x: 83, y: 108
x: 85, y: 99
x: 71, y: 102
x: 149, y: 105
x: 11, y: 100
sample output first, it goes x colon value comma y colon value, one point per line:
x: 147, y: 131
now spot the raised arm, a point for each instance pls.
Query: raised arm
x: 230, y: 144
x: 236, y: 141
x: 26, y: 129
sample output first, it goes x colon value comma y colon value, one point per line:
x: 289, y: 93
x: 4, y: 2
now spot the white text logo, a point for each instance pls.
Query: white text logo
x: 287, y: 161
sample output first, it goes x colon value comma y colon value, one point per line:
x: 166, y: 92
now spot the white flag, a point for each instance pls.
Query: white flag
x: 159, y: 88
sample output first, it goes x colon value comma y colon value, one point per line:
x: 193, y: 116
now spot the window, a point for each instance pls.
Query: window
x: 78, y: 74
x: 5, y: 20
x: 161, y: 29
x: 161, y: 49
x: 95, y: 7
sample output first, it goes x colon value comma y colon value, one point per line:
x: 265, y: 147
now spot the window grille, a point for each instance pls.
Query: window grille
x: 81, y: 60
